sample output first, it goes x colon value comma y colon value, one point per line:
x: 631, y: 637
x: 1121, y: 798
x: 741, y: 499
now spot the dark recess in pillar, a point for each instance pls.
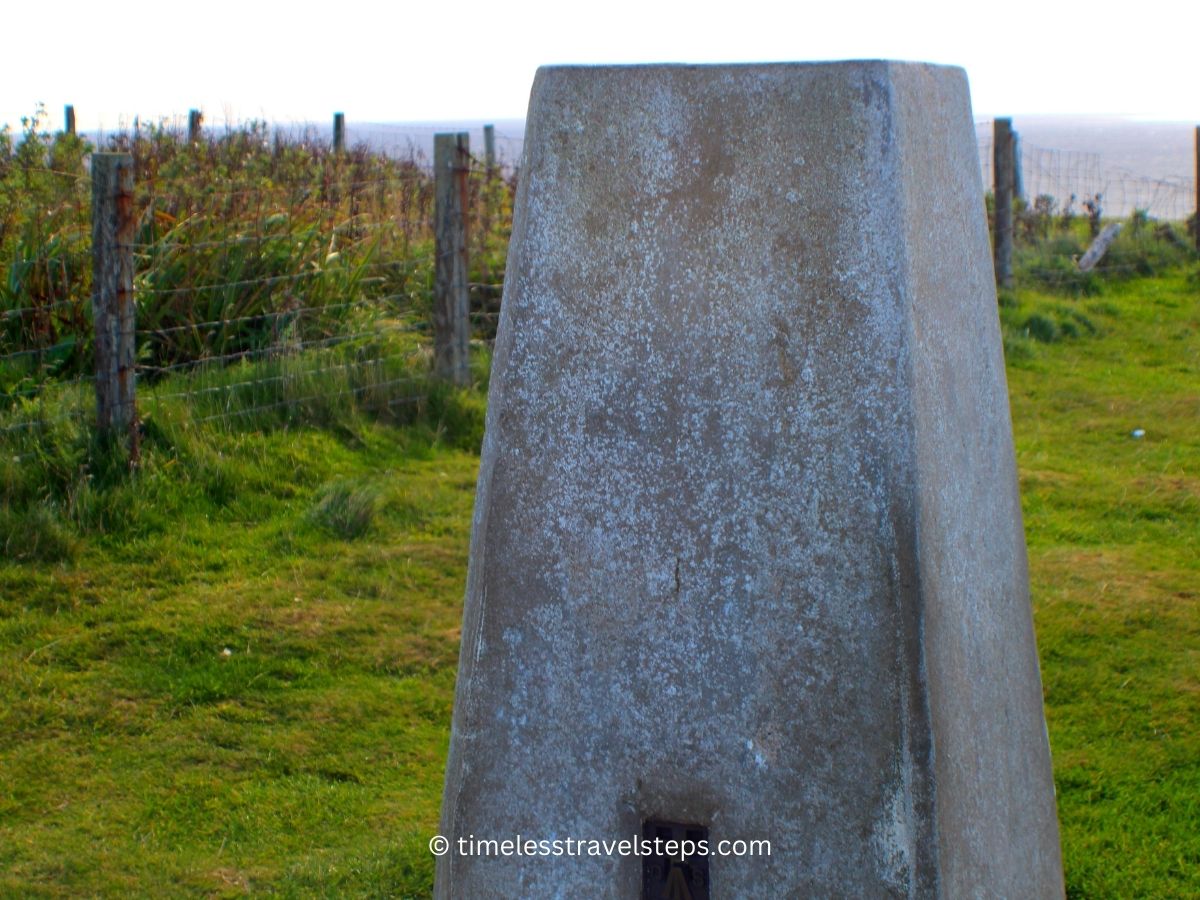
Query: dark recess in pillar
x: 678, y: 875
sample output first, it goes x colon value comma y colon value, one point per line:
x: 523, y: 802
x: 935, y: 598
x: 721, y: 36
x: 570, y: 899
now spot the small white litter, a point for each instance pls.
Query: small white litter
x: 1138, y: 433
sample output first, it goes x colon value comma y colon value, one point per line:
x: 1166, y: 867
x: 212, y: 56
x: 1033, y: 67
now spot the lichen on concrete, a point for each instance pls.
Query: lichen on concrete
x: 746, y: 549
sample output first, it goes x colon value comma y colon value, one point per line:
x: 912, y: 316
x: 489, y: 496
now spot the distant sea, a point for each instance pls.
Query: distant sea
x: 416, y: 138
x: 1163, y: 150
x: 1132, y: 164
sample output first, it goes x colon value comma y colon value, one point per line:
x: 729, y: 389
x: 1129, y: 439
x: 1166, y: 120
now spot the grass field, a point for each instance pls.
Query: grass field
x: 1113, y: 528
x: 234, y: 671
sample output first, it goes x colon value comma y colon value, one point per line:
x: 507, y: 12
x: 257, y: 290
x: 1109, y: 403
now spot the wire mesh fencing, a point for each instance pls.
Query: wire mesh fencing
x: 1067, y: 180
x: 270, y: 277
x: 45, y: 315
x: 1062, y: 202
x: 275, y: 277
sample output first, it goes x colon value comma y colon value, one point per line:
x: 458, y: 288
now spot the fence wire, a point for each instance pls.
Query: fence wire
x: 269, y: 276
x: 273, y: 274
x: 1070, y: 178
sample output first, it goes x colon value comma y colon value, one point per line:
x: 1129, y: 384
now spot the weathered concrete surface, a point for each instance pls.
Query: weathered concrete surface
x: 747, y: 548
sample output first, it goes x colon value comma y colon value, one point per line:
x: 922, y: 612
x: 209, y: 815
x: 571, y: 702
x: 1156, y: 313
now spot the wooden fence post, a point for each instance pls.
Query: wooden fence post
x: 489, y: 149
x: 1018, y: 181
x: 486, y: 195
x: 69, y: 119
x: 195, y: 118
x: 1002, y: 173
x: 451, y: 310
x: 112, y: 292
x: 339, y: 132
x: 1196, y: 221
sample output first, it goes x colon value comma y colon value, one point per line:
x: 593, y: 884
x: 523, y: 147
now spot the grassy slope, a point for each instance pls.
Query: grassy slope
x: 136, y: 756
x: 1113, y: 526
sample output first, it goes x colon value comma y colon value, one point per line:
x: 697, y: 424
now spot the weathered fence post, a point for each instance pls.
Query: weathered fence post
x: 489, y: 178
x: 489, y: 149
x: 1018, y: 181
x: 1196, y: 221
x: 69, y: 117
x: 112, y: 290
x: 195, y: 118
x: 451, y: 325
x: 1002, y: 173
x: 339, y: 132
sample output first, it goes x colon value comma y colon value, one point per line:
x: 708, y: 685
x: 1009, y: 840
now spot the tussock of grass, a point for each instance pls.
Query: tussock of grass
x: 1042, y: 328
x: 344, y: 510
x: 34, y: 533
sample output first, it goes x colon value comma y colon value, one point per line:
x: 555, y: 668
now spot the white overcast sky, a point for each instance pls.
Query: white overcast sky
x: 445, y: 60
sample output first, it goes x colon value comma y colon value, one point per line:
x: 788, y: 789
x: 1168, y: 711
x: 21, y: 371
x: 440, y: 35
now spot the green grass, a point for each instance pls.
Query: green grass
x: 242, y: 698
x: 233, y: 670
x: 1113, y: 527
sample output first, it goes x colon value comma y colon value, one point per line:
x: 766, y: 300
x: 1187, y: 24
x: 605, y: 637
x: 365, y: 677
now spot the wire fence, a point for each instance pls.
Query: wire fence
x: 268, y: 277
x: 273, y: 274
x: 1070, y: 178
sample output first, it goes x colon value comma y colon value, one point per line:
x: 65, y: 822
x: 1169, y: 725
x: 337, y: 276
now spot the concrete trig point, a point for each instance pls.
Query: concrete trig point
x: 747, y: 553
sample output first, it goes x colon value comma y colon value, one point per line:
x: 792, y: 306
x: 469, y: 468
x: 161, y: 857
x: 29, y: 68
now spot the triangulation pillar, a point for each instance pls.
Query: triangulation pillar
x: 747, y: 553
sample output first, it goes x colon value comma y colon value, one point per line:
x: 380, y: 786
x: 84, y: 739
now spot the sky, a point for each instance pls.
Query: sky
x: 400, y: 61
